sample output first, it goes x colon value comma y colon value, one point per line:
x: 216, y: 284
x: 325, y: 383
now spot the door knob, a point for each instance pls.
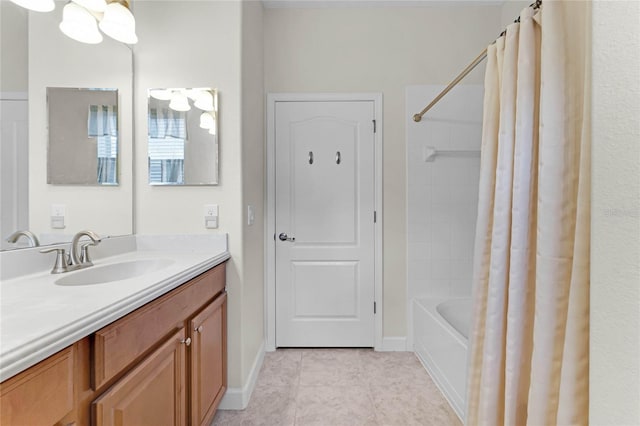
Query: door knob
x: 285, y: 237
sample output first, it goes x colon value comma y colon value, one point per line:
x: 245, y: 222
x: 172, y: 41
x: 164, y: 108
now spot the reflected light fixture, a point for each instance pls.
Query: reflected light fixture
x: 204, y: 101
x: 118, y: 22
x: 36, y: 5
x: 79, y: 24
x: 160, y: 94
x: 93, y: 5
x: 207, y: 121
x: 192, y: 93
x: 179, y: 102
x: 79, y: 17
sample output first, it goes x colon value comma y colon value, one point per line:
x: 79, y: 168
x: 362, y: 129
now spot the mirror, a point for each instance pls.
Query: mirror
x: 36, y: 55
x: 83, y: 136
x: 183, y: 136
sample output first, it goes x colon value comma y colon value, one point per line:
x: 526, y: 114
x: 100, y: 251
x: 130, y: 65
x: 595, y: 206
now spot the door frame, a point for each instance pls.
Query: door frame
x: 270, y: 208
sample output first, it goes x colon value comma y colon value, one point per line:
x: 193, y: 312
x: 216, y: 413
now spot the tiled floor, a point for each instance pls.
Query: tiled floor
x: 335, y: 387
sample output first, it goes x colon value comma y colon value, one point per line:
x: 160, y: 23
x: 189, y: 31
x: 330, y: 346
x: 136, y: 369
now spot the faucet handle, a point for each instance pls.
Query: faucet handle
x: 61, y: 260
x: 85, y: 259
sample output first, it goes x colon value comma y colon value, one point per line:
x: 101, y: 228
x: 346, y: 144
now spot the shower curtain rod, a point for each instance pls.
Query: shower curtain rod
x: 418, y: 117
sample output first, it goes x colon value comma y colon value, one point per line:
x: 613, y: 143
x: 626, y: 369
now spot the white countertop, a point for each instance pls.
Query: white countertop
x: 39, y: 318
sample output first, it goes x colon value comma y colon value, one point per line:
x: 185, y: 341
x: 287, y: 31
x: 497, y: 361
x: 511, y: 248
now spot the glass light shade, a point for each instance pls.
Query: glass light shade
x: 207, y: 121
x: 192, y: 94
x: 119, y: 24
x: 95, y: 5
x: 179, y: 102
x: 204, y: 101
x: 160, y: 94
x: 78, y: 24
x: 36, y: 5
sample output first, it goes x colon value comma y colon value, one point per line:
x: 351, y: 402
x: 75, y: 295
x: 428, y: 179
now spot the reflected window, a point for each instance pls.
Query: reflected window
x: 103, y: 128
x: 167, y: 138
x: 182, y: 136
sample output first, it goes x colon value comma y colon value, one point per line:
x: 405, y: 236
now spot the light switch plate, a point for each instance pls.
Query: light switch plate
x: 250, y: 215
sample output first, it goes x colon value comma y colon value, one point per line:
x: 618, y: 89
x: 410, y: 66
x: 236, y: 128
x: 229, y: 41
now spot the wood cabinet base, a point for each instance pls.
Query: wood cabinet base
x: 163, y: 364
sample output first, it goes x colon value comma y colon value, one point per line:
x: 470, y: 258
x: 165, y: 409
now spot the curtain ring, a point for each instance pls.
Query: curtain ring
x: 310, y: 157
x: 338, y: 158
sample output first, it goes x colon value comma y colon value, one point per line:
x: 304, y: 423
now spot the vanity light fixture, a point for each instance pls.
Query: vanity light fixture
x: 79, y: 24
x: 179, y: 102
x: 118, y: 22
x: 207, y: 121
x: 81, y: 19
x: 36, y: 5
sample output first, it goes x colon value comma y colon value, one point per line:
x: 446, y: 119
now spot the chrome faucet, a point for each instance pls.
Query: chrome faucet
x: 33, y: 240
x: 65, y: 263
x: 80, y: 255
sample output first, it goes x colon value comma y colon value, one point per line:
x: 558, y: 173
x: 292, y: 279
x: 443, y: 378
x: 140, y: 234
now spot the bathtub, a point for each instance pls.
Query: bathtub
x: 441, y: 329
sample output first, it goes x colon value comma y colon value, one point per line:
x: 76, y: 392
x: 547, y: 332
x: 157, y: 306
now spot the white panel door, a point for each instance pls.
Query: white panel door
x: 14, y: 168
x: 325, y: 167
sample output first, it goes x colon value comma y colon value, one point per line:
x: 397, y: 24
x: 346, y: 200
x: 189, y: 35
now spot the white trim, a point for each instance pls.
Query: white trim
x: 238, y: 398
x: 393, y: 344
x: 270, y: 278
x: 443, y: 386
x: 410, y: 337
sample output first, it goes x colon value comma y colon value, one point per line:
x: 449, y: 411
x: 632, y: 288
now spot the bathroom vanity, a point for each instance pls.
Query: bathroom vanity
x: 161, y: 362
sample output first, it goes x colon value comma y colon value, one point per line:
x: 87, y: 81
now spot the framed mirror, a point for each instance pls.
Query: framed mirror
x: 182, y: 136
x: 83, y: 136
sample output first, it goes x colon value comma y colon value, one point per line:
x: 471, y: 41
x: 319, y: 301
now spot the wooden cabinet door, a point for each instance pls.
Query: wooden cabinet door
x: 152, y: 394
x: 208, y: 360
x: 40, y: 395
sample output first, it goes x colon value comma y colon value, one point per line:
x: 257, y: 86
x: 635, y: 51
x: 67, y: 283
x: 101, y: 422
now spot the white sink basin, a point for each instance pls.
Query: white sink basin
x: 113, y: 272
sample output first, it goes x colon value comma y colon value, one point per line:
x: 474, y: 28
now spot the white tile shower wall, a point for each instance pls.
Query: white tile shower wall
x: 442, y: 194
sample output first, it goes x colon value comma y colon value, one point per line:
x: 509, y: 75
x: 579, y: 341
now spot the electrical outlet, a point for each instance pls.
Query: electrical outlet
x: 210, y: 216
x: 58, y: 213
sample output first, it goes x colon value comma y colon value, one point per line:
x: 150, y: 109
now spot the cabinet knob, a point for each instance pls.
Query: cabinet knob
x: 198, y: 329
x: 186, y: 341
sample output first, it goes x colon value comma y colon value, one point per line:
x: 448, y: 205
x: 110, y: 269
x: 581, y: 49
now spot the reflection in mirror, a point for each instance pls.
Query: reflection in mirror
x: 35, y: 55
x: 183, y: 136
x: 83, y: 136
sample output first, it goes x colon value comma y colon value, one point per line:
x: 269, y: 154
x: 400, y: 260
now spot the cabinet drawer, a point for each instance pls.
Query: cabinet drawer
x: 122, y: 342
x: 41, y: 395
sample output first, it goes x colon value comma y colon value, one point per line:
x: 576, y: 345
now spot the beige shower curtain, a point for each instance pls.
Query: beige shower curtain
x: 529, y: 346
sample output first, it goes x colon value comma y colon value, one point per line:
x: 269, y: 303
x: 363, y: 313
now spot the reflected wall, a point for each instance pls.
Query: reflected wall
x: 58, y: 61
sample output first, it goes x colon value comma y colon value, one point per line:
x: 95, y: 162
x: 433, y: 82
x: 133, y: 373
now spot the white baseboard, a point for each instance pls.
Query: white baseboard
x: 394, y: 344
x: 238, y: 398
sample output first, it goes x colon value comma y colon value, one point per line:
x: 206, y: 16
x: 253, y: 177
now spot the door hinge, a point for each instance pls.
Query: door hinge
x: 375, y: 216
x: 374, y: 307
x: 375, y: 126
